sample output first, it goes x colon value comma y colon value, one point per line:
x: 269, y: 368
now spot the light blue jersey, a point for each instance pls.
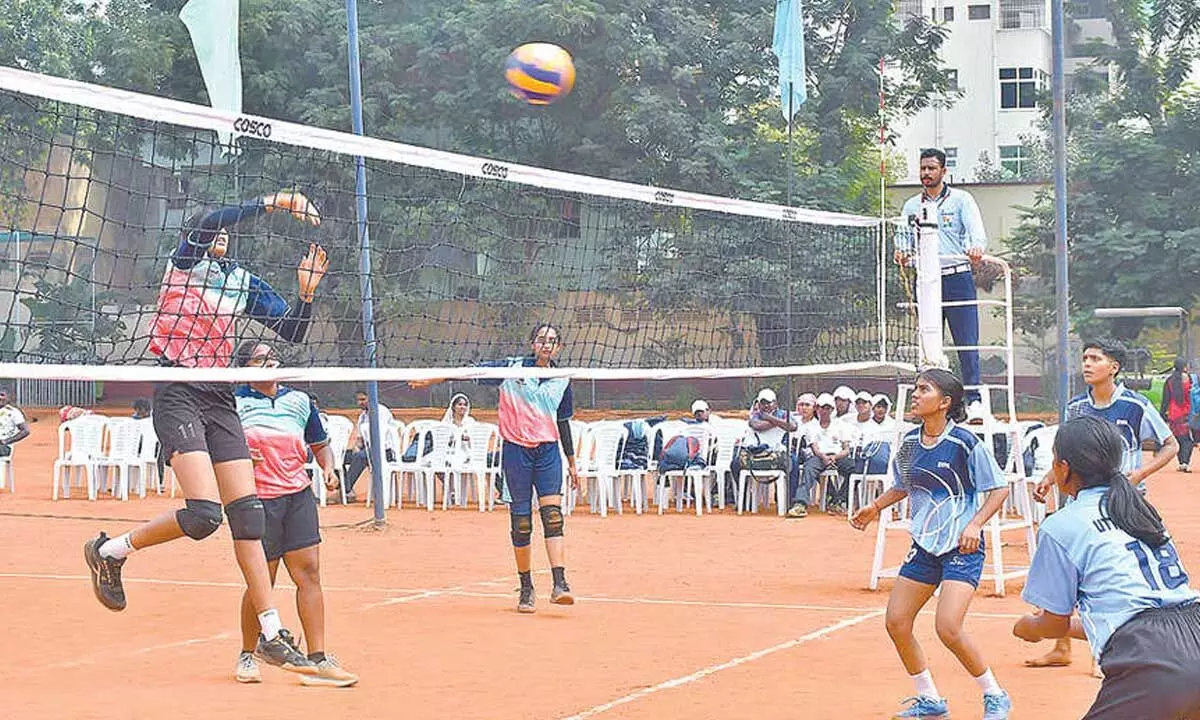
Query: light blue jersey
x: 1084, y: 558
x: 960, y: 225
x: 945, y: 484
x: 1134, y: 416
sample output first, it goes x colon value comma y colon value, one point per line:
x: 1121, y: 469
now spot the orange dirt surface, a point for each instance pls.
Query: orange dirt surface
x: 719, y: 616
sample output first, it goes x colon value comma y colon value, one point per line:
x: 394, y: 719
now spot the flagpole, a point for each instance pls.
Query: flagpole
x: 790, y: 161
x: 364, y: 267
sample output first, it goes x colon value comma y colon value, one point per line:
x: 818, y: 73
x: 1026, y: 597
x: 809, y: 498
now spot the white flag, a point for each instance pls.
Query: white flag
x: 213, y: 25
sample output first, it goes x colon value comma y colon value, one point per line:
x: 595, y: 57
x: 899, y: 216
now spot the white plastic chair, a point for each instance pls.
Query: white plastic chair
x: 482, y: 438
x: 121, y: 453
x: 86, y: 435
x: 600, y: 470
x: 691, y: 480
x: 147, y: 455
x: 725, y: 437
x: 337, y: 430
x: 392, y: 470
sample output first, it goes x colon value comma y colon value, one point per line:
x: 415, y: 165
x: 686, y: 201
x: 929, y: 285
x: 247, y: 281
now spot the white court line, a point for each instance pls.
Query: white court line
x: 712, y: 669
x: 406, y: 595
x: 133, y: 653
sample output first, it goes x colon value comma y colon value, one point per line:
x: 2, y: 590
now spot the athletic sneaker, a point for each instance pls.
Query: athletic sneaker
x: 247, y: 669
x: 996, y: 707
x: 924, y: 707
x: 798, y: 510
x: 561, y: 594
x: 330, y: 674
x: 106, y: 574
x: 525, y: 604
x: 282, y: 653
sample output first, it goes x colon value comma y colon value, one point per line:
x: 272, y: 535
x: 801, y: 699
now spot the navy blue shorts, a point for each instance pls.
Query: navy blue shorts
x: 528, y: 468
x: 924, y: 567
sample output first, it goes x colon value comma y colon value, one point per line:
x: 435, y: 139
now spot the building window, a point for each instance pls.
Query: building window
x: 1014, y: 160
x: 1087, y: 9
x: 1019, y: 14
x: 952, y: 80
x: 979, y: 12
x: 948, y: 13
x: 1018, y: 88
x: 908, y: 8
x: 951, y: 158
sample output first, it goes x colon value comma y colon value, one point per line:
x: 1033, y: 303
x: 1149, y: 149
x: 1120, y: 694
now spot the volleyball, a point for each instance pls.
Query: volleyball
x: 540, y: 73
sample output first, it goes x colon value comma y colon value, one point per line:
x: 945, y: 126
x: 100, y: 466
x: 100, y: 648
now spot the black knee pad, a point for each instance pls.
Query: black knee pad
x: 199, y: 518
x: 247, y: 520
x: 552, y: 520
x: 522, y: 529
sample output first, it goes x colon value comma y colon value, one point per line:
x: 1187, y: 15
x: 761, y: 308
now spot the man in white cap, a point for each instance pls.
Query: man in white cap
x: 700, y: 411
x: 768, y: 431
x: 829, y: 441
x: 843, y: 397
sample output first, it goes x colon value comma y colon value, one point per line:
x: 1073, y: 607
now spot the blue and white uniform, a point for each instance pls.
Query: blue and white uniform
x: 946, y: 484
x: 1137, y: 609
x: 1134, y: 416
x: 529, y: 413
x: 960, y: 229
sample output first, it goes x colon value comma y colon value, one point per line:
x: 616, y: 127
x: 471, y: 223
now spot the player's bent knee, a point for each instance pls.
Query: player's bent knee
x: 552, y: 520
x: 522, y: 530
x: 247, y: 519
x: 199, y: 518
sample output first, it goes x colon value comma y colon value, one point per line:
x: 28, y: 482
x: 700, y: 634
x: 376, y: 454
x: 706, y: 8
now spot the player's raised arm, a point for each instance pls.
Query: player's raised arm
x: 289, y: 321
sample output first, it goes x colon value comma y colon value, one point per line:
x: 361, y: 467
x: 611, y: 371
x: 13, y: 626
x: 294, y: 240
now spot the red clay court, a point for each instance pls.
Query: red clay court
x: 678, y: 617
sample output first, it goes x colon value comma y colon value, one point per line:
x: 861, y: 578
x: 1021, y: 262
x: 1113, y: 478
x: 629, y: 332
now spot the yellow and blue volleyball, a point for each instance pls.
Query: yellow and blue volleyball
x: 540, y: 73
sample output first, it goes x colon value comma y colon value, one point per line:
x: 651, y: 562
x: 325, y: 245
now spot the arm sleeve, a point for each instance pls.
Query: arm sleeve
x: 972, y: 219
x: 566, y: 406
x: 494, y: 382
x: 1053, y: 582
x: 314, y: 429
x: 564, y: 437
x: 199, y: 238
x: 269, y: 308
x: 985, y: 473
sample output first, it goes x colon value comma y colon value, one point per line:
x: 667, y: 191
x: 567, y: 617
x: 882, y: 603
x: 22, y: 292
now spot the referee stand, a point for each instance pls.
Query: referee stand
x: 1017, y: 513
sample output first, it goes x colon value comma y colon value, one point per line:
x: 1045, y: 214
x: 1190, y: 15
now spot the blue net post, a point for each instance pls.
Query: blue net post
x: 370, y: 347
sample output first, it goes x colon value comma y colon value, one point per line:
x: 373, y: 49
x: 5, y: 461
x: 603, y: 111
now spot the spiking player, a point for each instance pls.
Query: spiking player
x: 535, y: 418
x: 953, y: 486
x: 203, y: 292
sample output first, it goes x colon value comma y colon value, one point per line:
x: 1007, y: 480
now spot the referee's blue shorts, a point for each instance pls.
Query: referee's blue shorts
x: 528, y: 468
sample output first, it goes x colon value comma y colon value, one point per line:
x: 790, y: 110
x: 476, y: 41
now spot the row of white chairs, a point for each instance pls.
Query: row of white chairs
x: 92, y: 445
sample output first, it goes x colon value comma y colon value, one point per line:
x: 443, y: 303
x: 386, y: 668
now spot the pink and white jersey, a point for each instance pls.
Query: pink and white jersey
x: 196, y: 311
x: 279, y: 431
x: 531, y: 408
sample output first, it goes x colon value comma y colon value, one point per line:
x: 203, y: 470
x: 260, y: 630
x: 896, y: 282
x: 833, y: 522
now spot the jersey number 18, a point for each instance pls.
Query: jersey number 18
x: 1169, y: 569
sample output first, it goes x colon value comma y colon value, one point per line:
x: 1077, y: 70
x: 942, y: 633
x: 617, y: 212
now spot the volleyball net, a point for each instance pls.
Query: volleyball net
x: 98, y: 188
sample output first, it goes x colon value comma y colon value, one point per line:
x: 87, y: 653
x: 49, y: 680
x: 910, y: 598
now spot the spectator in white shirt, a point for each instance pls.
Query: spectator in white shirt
x: 843, y: 398
x: 13, y: 428
x: 860, y: 420
x: 829, y: 442
x: 358, y: 456
x: 878, y: 437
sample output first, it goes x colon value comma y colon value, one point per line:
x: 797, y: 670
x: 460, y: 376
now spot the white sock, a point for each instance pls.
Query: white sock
x: 117, y: 548
x: 925, y: 687
x: 987, y: 683
x: 269, y: 622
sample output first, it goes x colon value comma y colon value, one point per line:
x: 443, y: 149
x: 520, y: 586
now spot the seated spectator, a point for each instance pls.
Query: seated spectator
x: 142, y: 408
x: 857, y: 421
x: 458, y: 413
x: 358, y: 453
x: 700, y: 413
x: 843, y: 398
x: 806, y: 410
x: 67, y: 413
x: 829, y: 441
x: 13, y: 428
x: 877, y: 438
x: 765, y: 445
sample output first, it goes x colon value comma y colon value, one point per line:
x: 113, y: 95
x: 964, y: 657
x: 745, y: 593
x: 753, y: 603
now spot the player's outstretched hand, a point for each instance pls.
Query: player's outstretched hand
x: 312, y: 268
x: 299, y: 206
x: 423, y: 383
x: 864, y: 517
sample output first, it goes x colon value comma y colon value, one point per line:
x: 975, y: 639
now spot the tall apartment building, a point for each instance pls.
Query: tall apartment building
x: 998, y: 54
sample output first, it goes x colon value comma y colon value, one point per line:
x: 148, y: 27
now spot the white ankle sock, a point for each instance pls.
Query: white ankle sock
x: 987, y: 683
x: 925, y: 687
x: 117, y: 548
x: 269, y: 622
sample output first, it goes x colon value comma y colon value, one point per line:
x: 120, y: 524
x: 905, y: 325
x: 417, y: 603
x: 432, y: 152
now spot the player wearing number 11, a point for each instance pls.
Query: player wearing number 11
x: 1109, y: 553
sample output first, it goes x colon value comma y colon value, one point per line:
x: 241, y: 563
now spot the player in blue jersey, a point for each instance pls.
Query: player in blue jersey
x: 1137, y: 421
x: 953, y: 486
x: 1109, y: 554
x: 535, y: 419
